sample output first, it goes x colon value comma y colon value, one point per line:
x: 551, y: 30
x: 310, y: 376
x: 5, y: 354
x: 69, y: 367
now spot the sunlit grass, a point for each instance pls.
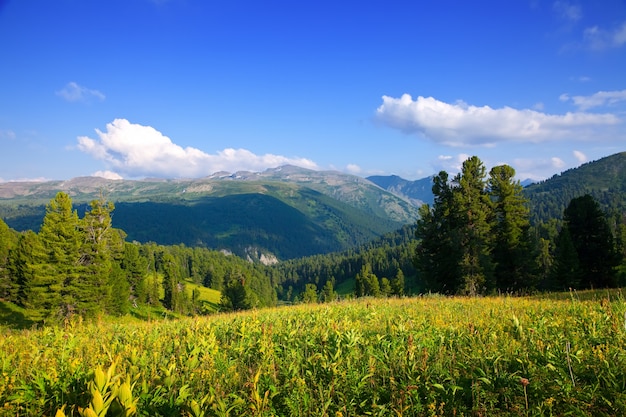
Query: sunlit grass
x: 430, y: 355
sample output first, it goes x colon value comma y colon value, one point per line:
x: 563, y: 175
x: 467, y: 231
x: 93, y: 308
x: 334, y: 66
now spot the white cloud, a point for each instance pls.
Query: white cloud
x: 109, y: 175
x: 598, y: 38
x: 557, y: 162
x: 134, y: 150
x: 73, y: 92
x: 353, y: 169
x: 537, y: 169
x: 449, y: 163
x: 601, y: 98
x: 581, y: 157
x: 460, y: 124
x: 36, y: 179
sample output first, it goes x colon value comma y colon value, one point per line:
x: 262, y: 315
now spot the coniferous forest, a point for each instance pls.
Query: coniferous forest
x: 477, y: 237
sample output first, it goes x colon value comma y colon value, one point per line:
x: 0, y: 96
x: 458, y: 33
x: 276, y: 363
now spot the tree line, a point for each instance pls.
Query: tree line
x: 477, y: 238
x: 83, y: 266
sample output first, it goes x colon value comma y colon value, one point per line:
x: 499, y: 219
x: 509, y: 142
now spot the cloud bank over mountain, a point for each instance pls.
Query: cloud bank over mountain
x: 133, y: 150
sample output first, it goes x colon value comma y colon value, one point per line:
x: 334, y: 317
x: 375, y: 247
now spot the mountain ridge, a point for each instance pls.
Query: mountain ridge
x: 267, y: 213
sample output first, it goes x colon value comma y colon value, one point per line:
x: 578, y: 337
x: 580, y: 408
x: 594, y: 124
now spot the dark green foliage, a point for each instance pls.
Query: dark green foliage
x: 386, y: 256
x: 453, y: 254
x: 438, y: 252
x: 8, y: 242
x: 366, y: 283
x: 56, y: 289
x: 135, y: 267
x: 236, y: 296
x: 282, y: 219
x: 513, y: 251
x: 593, y: 240
x: 328, y: 293
x: 118, y: 302
x: 565, y: 272
x: 310, y: 294
x: 604, y: 180
x: 397, y: 284
x: 476, y: 237
x: 473, y: 209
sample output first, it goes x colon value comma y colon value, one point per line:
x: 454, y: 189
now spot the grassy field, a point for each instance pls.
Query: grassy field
x: 425, y: 356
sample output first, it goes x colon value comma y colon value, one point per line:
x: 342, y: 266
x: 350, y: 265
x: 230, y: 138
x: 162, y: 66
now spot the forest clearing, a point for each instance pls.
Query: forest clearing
x: 429, y: 355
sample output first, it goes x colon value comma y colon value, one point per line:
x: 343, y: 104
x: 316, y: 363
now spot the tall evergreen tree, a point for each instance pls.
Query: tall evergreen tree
x: 438, y: 254
x: 8, y: 284
x: 135, y: 267
x: 173, y: 287
x: 594, y: 242
x: 473, y: 209
x: 397, y: 284
x: 235, y: 295
x: 565, y: 272
x: 510, y: 225
x: 56, y: 267
x: 22, y: 269
x: 101, y: 247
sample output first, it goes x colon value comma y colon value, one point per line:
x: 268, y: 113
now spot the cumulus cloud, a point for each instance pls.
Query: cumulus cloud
x: 73, y: 92
x: 581, y: 157
x: 537, y: 169
x: 353, y: 168
x: 135, y: 150
x: 109, y: 175
x: 598, y: 38
x: 460, y: 124
x: 601, y: 98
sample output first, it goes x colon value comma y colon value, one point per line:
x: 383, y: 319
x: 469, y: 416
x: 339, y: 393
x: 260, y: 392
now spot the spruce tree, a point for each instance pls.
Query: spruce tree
x: 510, y: 225
x: 8, y: 283
x: 56, y: 266
x: 438, y: 254
x: 101, y: 246
x: 594, y: 242
x: 565, y: 272
x: 473, y: 209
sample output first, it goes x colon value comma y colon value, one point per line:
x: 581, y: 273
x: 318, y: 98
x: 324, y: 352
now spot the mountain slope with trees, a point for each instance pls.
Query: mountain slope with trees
x: 604, y: 180
x: 284, y: 213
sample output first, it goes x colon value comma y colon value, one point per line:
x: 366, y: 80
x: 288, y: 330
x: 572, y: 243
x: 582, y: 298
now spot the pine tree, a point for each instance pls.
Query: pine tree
x: 101, y: 246
x: 438, y: 254
x: 8, y: 242
x: 135, y: 267
x: 56, y: 268
x: 328, y: 292
x: 510, y: 225
x: 565, y: 272
x: 172, y: 285
x: 22, y: 269
x: 473, y: 209
x: 594, y: 242
x: 397, y: 284
x: 235, y: 295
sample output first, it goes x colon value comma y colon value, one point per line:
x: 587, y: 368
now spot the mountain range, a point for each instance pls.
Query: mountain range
x: 286, y: 212
x: 280, y: 213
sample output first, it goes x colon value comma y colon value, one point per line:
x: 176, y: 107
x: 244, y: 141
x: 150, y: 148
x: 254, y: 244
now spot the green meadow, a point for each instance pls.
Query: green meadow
x: 422, y: 356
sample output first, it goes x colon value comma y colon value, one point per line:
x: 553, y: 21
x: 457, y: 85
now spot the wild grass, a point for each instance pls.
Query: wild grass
x: 386, y: 357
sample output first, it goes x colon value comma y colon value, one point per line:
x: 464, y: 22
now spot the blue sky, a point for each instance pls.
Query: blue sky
x: 186, y: 88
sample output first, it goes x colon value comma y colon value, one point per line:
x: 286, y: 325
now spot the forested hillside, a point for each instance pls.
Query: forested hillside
x: 604, y: 180
x: 284, y: 213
